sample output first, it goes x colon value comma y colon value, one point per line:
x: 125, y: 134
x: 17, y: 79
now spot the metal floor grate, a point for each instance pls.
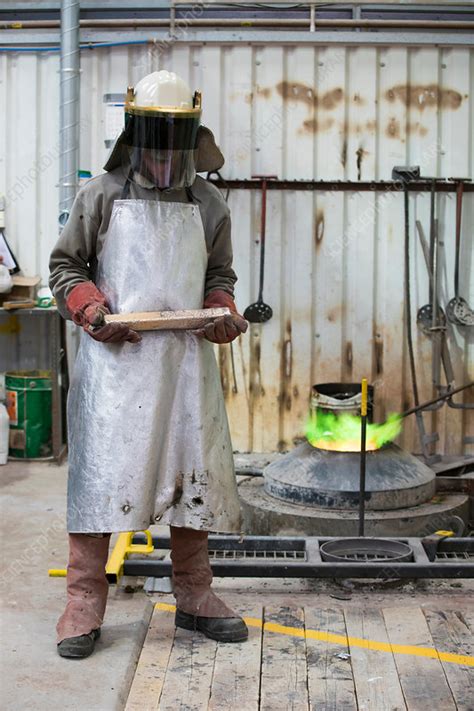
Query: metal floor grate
x: 253, y: 555
x: 455, y: 555
x: 366, y: 556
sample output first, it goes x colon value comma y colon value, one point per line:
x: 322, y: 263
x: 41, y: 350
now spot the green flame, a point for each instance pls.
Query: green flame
x: 329, y: 427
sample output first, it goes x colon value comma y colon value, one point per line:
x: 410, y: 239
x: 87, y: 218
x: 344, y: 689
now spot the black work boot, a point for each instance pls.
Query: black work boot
x: 78, y: 647
x: 197, y: 607
x: 222, y: 629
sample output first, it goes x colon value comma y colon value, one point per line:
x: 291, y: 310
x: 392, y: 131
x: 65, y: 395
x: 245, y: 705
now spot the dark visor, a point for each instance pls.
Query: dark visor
x: 161, y: 132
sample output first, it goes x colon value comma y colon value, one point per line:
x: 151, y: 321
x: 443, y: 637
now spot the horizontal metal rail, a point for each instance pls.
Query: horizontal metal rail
x: 218, y: 22
x: 313, y: 566
x: 364, y: 5
x: 441, y: 185
x: 191, y: 35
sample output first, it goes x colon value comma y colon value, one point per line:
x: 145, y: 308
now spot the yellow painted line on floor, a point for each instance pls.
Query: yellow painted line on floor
x: 409, y: 649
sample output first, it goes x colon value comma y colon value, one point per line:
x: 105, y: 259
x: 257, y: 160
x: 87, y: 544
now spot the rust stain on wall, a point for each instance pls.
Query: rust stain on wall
x: 319, y: 227
x: 331, y: 99
x: 360, y: 155
x: 335, y: 314
x: 422, y: 96
x: 295, y: 91
x: 416, y: 127
x: 304, y: 93
x: 359, y: 100
x: 286, y: 368
x: 264, y: 91
x: 344, y: 152
x: 378, y: 355
x: 313, y: 125
x: 393, y: 128
x: 348, y: 356
x: 255, y: 374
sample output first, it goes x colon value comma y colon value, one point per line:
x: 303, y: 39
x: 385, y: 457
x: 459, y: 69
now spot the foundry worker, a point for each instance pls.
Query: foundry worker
x: 148, y: 434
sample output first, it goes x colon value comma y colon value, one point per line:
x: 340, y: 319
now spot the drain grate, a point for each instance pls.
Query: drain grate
x: 366, y: 557
x: 454, y: 555
x: 365, y: 550
x: 253, y: 555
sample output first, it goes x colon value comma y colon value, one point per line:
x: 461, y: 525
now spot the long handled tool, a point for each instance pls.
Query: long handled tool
x: 405, y: 174
x: 363, y: 455
x: 434, y: 327
x: 424, y: 321
x: 458, y: 310
x: 440, y: 398
x: 259, y: 312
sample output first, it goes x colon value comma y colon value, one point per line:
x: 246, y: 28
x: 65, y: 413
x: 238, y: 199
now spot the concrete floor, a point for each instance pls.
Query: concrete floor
x: 32, y: 674
x: 34, y: 539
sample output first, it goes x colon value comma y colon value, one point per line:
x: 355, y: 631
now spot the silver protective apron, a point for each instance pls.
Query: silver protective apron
x: 149, y: 440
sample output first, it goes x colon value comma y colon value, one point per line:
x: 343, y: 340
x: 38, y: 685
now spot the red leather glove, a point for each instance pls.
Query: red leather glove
x: 226, y: 328
x: 88, y: 306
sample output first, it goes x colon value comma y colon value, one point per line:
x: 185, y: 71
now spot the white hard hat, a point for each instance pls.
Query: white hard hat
x: 163, y: 90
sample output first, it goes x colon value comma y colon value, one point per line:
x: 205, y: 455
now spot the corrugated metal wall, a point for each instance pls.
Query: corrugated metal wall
x: 334, y: 270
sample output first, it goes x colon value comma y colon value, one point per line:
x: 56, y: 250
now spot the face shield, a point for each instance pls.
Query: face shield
x: 162, y: 143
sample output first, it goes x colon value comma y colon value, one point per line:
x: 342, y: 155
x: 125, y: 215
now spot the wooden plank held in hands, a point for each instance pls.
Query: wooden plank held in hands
x: 168, y: 320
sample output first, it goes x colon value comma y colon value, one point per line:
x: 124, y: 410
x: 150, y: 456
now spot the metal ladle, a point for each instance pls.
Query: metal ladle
x: 458, y: 310
x: 259, y: 312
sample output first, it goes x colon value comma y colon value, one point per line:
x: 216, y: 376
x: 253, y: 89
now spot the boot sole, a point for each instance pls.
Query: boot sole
x: 188, y: 622
x: 80, y: 655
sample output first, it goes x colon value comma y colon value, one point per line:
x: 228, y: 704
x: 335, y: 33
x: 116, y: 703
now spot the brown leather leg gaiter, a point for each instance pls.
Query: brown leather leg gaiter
x: 87, y: 586
x: 192, y: 575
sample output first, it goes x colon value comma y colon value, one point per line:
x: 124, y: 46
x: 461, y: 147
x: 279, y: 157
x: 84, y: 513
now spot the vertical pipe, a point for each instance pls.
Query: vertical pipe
x: 363, y: 456
x: 312, y: 17
x: 69, y: 107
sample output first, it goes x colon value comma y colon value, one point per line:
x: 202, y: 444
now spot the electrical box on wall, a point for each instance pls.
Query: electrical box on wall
x: 113, y: 117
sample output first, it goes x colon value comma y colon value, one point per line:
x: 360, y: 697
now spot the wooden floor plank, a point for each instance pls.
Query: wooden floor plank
x: 375, y: 673
x: 188, y: 678
x: 451, y: 633
x: 150, y: 674
x: 236, y: 680
x: 422, y: 678
x: 284, y: 674
x: 330, y: 682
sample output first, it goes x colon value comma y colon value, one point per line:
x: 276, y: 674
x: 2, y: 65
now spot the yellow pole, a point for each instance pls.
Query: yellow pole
x: 363, y: 438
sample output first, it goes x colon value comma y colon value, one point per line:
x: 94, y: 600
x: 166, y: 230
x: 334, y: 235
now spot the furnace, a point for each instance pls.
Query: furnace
x: 314, y: 489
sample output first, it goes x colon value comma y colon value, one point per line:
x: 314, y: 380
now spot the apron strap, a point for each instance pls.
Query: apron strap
x: 126, y: 188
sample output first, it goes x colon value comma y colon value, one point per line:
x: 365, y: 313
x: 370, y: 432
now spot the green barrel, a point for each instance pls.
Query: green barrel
x: 29, y: 409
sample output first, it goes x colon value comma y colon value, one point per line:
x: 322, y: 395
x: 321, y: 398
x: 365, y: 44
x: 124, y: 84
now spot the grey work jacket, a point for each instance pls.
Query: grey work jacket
x: 74, y: 257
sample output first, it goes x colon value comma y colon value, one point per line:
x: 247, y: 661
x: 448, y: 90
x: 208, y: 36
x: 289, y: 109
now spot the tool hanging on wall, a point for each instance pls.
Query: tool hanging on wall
x: 431, y: 318
x: 424, y: 320
x: 259, y: 312
x: 405, y: 174
x: 458, y: 310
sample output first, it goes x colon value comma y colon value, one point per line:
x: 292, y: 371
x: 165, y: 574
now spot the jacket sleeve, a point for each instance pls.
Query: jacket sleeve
x: 73, y: 258
x: 220, y: 274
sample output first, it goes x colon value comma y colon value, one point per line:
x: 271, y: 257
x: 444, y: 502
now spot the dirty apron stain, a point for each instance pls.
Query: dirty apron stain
x: 149, y: 440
